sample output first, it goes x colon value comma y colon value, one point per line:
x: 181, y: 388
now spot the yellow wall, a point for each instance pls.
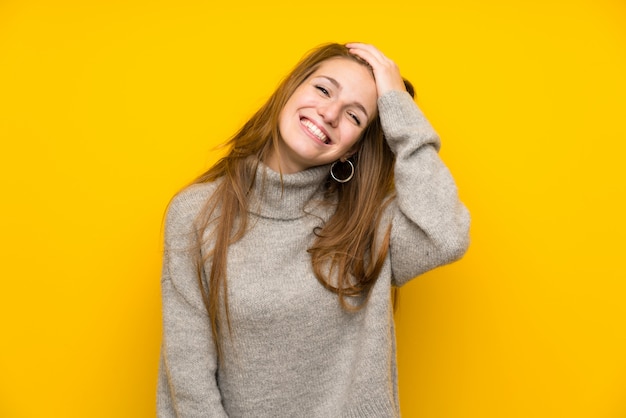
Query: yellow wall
x: 107, y: 108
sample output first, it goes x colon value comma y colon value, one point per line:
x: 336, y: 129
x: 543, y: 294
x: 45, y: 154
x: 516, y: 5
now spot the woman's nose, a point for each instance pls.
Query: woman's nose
x: 330, y: 113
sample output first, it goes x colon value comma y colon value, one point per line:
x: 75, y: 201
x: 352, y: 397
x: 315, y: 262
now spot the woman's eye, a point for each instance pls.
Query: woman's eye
x: 323, y: 90
x: 355, y: 118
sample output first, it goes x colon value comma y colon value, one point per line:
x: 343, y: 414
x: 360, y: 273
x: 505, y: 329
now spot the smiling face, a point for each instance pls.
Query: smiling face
x: 325, y: 116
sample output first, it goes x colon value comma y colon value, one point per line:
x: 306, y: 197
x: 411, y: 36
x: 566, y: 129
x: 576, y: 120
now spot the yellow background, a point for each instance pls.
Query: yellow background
x: 108, y: 108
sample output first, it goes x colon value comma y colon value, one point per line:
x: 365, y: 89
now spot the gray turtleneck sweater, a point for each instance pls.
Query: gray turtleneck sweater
x: 294, y: 352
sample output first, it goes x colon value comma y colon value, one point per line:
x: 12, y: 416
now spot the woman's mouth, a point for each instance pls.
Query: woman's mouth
x: 317, y: 132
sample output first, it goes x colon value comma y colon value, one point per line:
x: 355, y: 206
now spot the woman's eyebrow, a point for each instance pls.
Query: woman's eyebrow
x: 332, y: 80
x: 337, y: 85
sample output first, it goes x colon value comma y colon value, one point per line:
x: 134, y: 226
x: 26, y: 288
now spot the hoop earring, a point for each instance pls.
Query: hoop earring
x: 347, y: 179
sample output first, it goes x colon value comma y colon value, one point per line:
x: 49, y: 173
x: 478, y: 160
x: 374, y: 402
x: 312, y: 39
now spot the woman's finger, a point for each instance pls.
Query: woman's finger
x: 386, y: 72
x: 368, y: 49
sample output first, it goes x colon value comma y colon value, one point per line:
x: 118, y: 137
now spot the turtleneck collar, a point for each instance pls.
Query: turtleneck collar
x: 286, y: 198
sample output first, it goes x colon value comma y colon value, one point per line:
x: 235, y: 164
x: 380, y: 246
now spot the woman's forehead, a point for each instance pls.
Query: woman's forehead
x: 352, y: 78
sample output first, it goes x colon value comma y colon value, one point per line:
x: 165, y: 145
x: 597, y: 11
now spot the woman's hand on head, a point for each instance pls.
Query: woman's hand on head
x: 386, y: 72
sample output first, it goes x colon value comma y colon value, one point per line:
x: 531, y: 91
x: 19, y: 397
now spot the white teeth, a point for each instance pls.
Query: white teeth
x: 315, y: 131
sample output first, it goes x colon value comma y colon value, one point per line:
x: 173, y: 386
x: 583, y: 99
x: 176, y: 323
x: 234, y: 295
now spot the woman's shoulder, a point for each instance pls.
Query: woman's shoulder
x: 187, y: 203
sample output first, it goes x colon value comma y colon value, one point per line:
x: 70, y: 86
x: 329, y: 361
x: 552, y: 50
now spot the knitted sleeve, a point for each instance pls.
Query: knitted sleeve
x: 430, y: 226
x: 187, y: 375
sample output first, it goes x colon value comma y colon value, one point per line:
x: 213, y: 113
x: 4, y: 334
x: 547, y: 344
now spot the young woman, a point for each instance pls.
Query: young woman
x: 280, y: 260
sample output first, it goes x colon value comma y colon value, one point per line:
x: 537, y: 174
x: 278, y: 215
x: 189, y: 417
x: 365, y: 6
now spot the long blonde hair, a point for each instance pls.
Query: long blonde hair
x: 346, y: 242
